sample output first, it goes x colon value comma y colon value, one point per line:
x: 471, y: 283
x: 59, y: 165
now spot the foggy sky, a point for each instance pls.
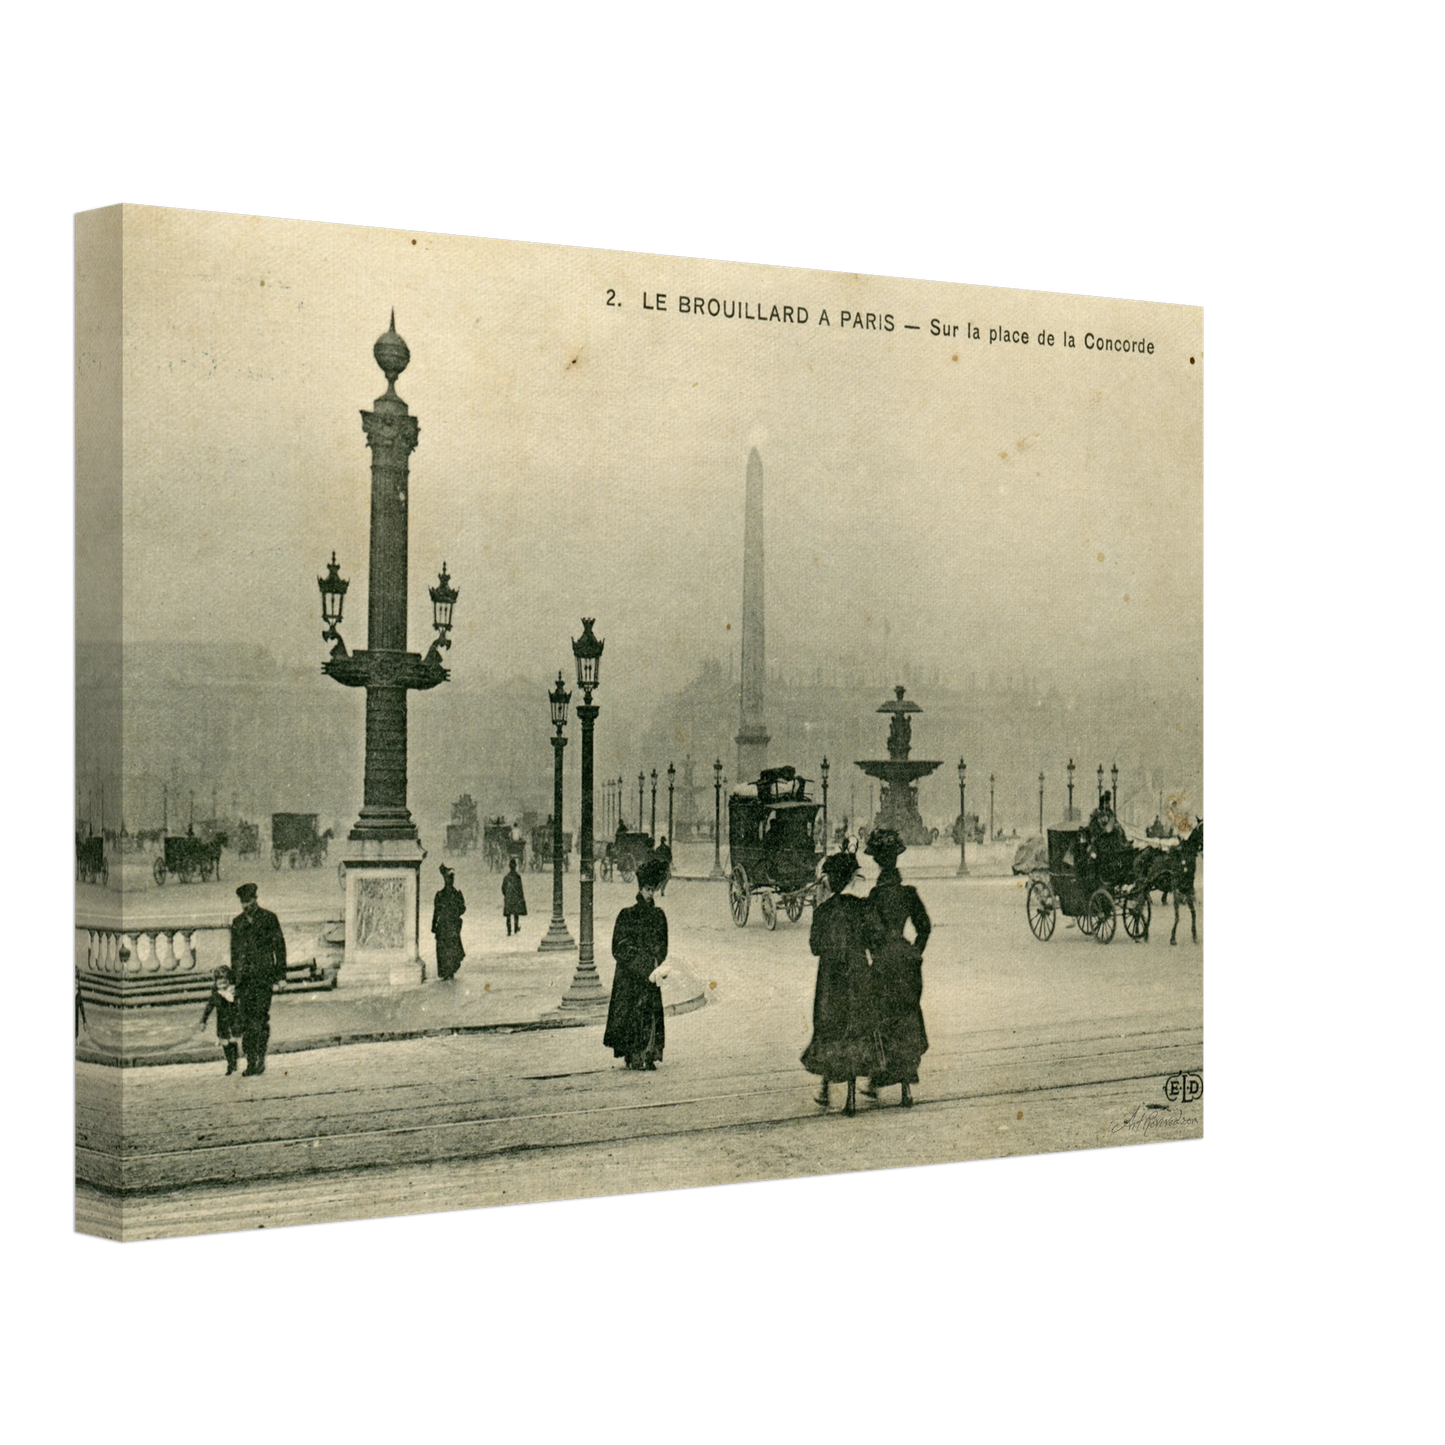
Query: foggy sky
x: 576, y: 458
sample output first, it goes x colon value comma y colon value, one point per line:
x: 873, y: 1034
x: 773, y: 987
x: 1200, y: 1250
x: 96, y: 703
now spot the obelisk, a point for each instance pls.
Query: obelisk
x: 752, y: 738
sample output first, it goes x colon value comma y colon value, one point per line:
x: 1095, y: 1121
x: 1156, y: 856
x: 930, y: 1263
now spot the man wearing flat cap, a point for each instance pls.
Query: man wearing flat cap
x: 258, y: 961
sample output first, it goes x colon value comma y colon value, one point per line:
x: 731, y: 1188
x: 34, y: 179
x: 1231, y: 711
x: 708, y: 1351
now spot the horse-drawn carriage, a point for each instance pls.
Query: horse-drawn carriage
x: 771, y: 847
x: 90, y: 864
x: 294, y: 840
x: 625, y: 853
x: 498, y: 845
x: 463, y: 830
x: 542, y: 849
x: 1094, y: 880
x: 189, y: 858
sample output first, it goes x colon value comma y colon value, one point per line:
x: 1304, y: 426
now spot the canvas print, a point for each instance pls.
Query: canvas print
x: 556, y: 722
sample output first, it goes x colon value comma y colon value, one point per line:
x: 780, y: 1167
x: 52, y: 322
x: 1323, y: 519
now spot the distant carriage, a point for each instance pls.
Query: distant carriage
x: 1096, y: 884
x: 90, y: 864
x: 189, y: 858
x: 464, y: 831
x: 771, y: 847
x: 542, y: 849
x: 295, y: 841
x: 499, y: 847
x: 625, y: 853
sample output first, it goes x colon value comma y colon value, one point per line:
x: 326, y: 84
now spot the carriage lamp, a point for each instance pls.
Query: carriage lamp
x: 559, y: 697
x: 587, y: 649
x: 333, y: 598
x: 1114, y: 778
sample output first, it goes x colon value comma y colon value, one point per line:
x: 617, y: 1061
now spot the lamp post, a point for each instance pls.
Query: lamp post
x: 962, y: 820
x: 717, y: 871
x: 990, y: 808
x: 586, y: 996
x: 823, y: 773
x: 1070, y: 771
x: 1041, y: 805
x: 383, y: 860
x: 671, y: 784
x: 641, y: 788
x: 652, y: 827
x: 1114, y: 780
x: 556, y: 936
x: 1101, y: 783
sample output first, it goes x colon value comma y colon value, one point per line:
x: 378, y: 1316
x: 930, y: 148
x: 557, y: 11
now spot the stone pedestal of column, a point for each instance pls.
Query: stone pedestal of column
x: 383, y: 914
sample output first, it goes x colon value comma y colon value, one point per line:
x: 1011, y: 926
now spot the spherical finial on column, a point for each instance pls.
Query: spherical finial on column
x: 391, y: 353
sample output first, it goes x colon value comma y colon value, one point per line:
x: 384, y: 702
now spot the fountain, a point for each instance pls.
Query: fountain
x: 898, y: 800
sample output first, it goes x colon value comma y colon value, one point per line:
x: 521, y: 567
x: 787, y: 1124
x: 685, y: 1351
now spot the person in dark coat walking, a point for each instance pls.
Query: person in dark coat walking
x: 222, y: 1003
x: 514, y: 900
x: 845, y: 1022
x: 663, y: 853
x: 258, y: 964
x: 898, y: 968
x: 446, y: 924
x: 635, y: 1027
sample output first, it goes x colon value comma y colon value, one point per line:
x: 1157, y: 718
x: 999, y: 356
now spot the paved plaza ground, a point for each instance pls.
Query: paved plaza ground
x: 1035, y: 1047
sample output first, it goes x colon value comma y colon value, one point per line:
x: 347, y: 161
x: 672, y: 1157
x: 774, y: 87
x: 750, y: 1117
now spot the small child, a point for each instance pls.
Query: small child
x: 228, y: 1016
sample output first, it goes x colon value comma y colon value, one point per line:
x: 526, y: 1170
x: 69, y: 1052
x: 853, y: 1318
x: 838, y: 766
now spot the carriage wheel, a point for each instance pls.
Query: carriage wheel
x: 1042, y: 912
x: 605, y: 869
x: 793, y: 904
x: 738, y: 896
x: 158, y: 871
x: 276, y: 859
x: 770, y: 909
x: 625, y: 868
x: 1101, y: 916
x: 1137, y: 913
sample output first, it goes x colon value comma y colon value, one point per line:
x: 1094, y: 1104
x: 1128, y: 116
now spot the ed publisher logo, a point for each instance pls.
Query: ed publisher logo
x: 1184, y: 1088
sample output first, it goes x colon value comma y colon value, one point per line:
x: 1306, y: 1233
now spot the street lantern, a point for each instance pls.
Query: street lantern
x: 717, y: 871
x: 585, y: 995
x: 962, y: 819
x: 333, y: 598
x: 823, y: 773
x: 559, y: 697
x: 1070, y: 771
x: 443, y: 599
x: 556, y: 936
x: 671, y: 783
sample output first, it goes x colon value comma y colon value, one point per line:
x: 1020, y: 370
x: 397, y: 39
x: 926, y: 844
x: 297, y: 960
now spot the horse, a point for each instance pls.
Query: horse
x: 1173, y: 872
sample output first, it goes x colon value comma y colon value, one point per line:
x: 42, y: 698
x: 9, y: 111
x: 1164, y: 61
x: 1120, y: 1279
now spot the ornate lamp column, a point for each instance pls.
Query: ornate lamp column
x: 556, y: 936
x: 962, y: 820
x: 717, y: 871
x: 823, y: 773
x: 1101, y: 783
x: 1041, y: 805
x: 671, y: 784
x: 384, y: 854
x: 586, y: 998
x: 1114, y: 779
x: 641, y: 789
x: 990, y: 807
x: 652, y: 830
x: 1070, y: 771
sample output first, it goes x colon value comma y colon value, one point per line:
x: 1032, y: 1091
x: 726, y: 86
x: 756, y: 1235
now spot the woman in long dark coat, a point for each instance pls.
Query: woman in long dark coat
x: 845, y: 1024
x: 898, y: 968
x: 635, y: 1028
x: 446, y: 924
x: 514, y: 898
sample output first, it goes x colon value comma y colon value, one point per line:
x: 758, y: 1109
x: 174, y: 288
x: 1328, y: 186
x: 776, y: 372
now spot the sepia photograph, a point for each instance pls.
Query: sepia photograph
x: 558, y: 722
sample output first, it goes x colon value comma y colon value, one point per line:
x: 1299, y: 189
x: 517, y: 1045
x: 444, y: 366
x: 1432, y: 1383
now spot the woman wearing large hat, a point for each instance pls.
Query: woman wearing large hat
x: 845, y: 1027
x: 635, y: 1027
x: 897, y: 967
